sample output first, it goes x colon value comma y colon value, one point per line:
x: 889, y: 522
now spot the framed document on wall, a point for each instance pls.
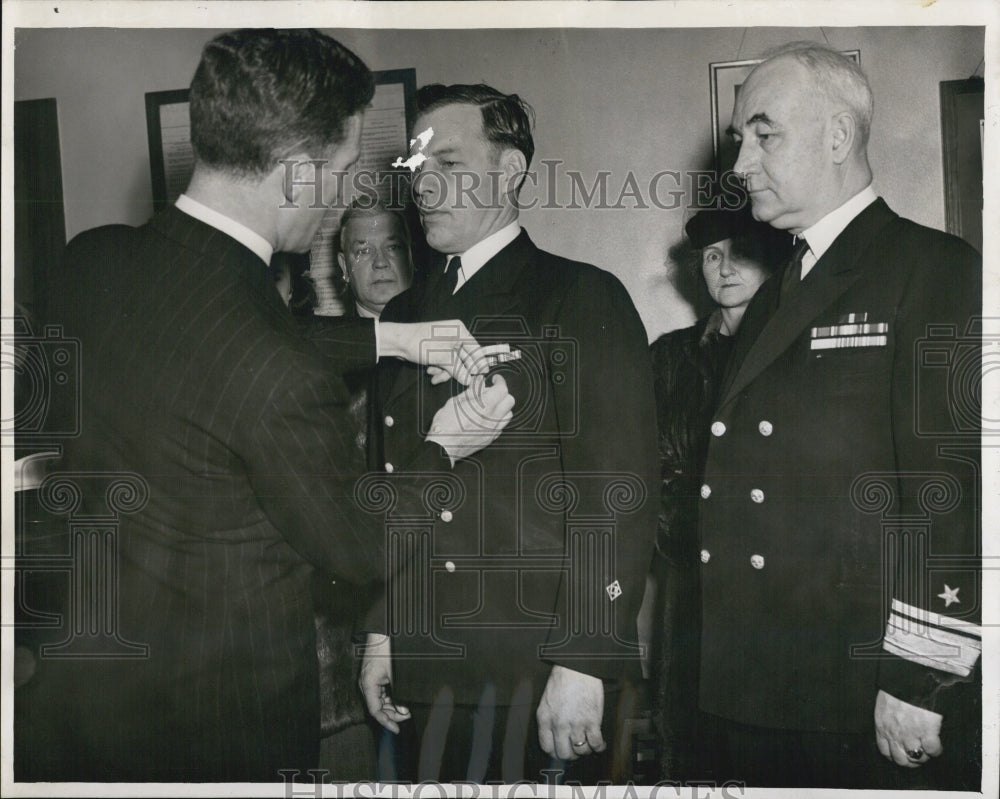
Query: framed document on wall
x: 171, y: 158
x: 387, y: 122
x: 725, y: 79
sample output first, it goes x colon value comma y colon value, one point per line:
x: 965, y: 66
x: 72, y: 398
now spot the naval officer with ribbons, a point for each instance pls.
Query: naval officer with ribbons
x: 839, y: 511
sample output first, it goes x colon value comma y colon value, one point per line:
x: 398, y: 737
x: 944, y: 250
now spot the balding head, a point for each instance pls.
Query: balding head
x: 802, y: 137
x: 837, y: 78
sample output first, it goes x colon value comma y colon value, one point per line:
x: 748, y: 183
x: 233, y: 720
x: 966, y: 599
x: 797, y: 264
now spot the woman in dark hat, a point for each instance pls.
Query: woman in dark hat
x: 734, y: 255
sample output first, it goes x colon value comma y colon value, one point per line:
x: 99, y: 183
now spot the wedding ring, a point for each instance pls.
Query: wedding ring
x: 915, y: 754
x: 583, y: 742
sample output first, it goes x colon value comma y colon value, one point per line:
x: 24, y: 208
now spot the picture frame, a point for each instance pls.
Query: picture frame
x: 168, y: 129
x: 171, y: 159
x: 962, y: 118
x: 725, y: 79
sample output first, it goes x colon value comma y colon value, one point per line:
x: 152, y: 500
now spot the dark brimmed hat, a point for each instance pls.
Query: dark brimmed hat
x: 715, y: 224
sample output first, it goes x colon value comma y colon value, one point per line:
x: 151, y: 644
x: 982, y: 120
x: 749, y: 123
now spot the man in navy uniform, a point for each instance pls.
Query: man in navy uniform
x: 839, y: 517
x: 506, y: 643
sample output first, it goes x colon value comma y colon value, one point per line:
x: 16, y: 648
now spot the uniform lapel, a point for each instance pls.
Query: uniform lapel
x: 431, y: 295
x: 496, y: 289
x: 757, y: 314
x: 834, y: 273
x: 397, y: 378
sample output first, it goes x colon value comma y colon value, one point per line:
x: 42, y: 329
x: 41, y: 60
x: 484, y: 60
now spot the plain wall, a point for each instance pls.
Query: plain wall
x: 618, y: 100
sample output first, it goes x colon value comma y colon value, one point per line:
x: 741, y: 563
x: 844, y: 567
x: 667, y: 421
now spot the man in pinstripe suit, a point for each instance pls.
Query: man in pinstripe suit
x: 197, y: 383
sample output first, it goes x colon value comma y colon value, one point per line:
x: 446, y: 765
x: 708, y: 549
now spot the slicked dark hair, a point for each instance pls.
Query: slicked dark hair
x: 258, y: 93
x: 507, y: 119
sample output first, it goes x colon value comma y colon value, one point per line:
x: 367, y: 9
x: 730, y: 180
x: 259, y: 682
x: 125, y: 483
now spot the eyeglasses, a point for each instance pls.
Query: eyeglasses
x: 365, y: 253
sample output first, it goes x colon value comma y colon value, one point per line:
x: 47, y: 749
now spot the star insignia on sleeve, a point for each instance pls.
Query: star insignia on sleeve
x: 950, y: 596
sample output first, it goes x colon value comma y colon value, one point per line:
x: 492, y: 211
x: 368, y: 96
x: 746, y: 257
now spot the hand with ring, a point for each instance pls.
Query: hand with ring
x: 569, y: 714
x: 907, y: 735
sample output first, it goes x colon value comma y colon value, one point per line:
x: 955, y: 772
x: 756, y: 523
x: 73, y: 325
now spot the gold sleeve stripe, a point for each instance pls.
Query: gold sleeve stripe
x: 948, y: 647
x: 931, y: 619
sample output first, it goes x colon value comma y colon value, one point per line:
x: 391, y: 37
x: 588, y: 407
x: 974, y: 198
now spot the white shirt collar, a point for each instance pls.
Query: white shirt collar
x: 822, y: 234
x: 474, y: 258
x: 254, y: 242
x: 363, y: 312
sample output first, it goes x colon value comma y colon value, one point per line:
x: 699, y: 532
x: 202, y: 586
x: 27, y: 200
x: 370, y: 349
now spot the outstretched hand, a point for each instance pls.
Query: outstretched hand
x: 445, y: 347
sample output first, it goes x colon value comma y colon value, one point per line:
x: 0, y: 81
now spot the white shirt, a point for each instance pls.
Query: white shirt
x: 252, y: 241
x: 821, y: 235
x: 474, y: 258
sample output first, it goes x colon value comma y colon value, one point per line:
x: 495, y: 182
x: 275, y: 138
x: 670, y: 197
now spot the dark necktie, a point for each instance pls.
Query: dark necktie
x: 451, y: 276
x: 793, y: 272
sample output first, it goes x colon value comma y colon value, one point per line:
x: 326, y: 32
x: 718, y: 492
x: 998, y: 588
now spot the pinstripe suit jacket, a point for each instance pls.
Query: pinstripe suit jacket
x: 197, y: 379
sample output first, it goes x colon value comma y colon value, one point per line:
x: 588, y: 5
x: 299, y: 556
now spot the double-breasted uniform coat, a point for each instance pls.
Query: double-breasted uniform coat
x: 538, y: 554
x: 840, y: 506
